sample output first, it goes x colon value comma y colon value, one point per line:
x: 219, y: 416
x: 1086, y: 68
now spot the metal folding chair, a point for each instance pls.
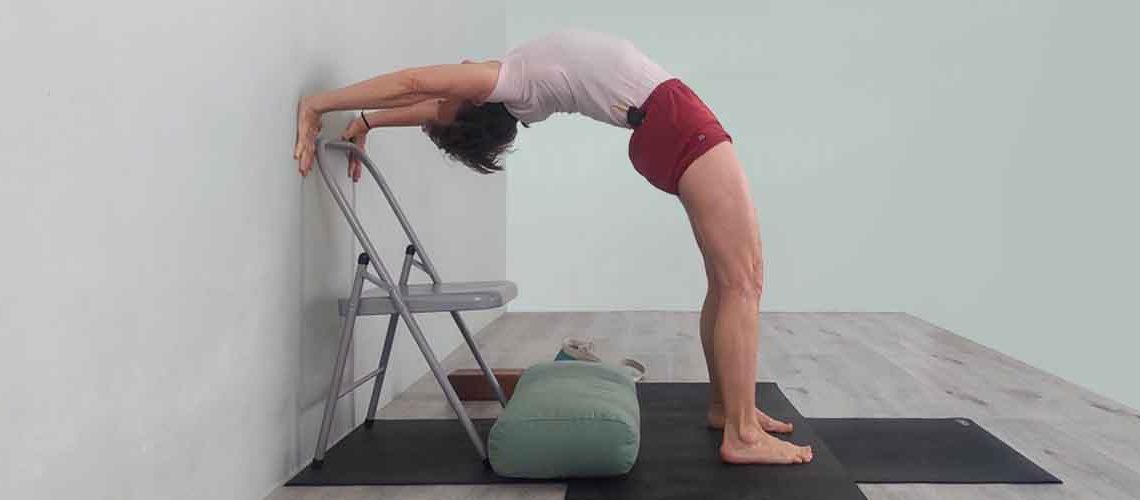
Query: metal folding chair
x: 400, y: 301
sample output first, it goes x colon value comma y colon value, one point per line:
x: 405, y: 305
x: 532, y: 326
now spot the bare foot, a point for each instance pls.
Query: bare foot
x: 762, y: 449
x: 769, y: 424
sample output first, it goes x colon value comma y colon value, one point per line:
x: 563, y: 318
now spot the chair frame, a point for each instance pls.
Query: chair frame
x: 397, y: 291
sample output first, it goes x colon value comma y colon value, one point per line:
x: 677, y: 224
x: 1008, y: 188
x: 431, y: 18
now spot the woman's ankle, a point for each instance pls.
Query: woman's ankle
x: 745, y: 428
x: 743, y: 432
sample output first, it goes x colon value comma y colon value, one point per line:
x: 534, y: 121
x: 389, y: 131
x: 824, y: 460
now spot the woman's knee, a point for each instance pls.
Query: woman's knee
x: 745, y: 282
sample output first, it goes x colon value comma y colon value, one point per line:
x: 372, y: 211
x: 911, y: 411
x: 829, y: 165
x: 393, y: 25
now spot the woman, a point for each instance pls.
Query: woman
x: 471, y: 112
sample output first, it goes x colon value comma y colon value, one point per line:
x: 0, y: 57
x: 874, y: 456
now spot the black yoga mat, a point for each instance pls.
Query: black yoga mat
x: 915, y: 450
x: 678, y: 456
x: 403, y: 452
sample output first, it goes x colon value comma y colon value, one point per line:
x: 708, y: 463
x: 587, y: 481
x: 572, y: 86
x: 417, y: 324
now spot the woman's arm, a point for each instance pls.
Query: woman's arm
x: 415, y: 115
x: 411, y: 86
x: 408, y: 116
x: 454, y: 82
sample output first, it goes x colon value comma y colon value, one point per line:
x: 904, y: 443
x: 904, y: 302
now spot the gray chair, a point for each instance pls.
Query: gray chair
x: 399, y: 301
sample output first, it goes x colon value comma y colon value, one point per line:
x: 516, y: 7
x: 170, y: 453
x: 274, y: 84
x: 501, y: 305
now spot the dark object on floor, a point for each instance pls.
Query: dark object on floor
x: 913, y: 450
x: 471, y: 385
x: 678, y: 457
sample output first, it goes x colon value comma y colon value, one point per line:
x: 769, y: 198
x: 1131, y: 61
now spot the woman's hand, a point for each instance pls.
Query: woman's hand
x: 356, y: 133
x: 308, y: 127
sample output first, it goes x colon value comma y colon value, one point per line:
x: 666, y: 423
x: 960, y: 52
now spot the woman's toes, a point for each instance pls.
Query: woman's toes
x: 770, y: 424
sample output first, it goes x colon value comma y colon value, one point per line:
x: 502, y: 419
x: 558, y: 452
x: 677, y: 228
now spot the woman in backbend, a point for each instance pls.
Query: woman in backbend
x: 471, y: 111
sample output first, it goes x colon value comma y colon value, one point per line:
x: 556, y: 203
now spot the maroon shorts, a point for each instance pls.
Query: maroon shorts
x: 678, y: 128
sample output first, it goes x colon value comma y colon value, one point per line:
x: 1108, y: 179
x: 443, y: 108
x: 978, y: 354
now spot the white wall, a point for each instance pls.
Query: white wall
x: 973, y: 163
x: 167, y: 281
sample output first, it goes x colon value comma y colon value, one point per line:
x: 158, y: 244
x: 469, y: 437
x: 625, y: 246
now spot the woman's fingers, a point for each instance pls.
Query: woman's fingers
x: 354, y: 160
x: 307, y: 147
x: 353, y: 167
x: 308, y: 127
x: 303, y: 154
x: 297, y: 156
x: 297, y: 139
x: 306, y: 161
x: 355, y: 133
x: 347, y: 136
x: 300, y: 145
x: 354, y: 129
x: 308, y: 154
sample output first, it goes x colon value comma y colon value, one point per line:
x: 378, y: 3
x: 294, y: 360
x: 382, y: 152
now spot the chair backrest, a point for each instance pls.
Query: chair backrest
x: 325, y: 156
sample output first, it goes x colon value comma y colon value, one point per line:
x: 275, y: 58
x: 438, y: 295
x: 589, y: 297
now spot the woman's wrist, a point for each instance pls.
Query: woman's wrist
x: 313, y: 103
x: 307, y: 105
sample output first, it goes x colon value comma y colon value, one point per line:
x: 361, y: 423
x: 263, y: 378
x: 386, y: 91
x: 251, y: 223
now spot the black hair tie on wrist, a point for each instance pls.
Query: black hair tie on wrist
x: 365, y: 120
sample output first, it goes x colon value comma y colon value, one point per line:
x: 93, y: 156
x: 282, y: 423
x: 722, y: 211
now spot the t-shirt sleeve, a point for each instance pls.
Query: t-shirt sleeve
x: 508, y: 87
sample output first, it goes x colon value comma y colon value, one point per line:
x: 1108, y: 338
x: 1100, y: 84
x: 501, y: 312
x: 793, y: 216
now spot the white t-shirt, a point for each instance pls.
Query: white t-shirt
x: 575, y: 71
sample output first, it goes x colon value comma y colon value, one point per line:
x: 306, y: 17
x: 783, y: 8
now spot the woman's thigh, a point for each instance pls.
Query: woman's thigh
x: 715, y: 194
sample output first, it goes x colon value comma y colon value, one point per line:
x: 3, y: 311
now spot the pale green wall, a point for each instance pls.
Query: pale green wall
x: 972, y: 163
x: 168, y: 283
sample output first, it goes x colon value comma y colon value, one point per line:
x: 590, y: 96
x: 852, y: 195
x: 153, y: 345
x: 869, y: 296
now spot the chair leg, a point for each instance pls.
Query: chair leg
x: 346, y: 329
x: 393, y: 320
x: 479, y: 358
x: 441, y: 377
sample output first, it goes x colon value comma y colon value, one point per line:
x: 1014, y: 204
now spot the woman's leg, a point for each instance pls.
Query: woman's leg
x: 716, y: 399
x: 715, y: 194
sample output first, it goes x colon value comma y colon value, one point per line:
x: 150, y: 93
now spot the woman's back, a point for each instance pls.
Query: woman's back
x: 576, y: 71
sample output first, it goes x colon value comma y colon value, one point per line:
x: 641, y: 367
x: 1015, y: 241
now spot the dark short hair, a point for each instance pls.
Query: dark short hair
x: 478, y: 137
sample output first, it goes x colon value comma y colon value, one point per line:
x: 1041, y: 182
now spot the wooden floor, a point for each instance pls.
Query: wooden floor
x: 829, y: 365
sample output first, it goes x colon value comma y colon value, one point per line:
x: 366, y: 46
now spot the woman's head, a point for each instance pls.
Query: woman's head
x: 478, y: 135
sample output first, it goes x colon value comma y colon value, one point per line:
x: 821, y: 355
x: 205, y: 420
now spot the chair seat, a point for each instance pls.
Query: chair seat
x: 444, y: 297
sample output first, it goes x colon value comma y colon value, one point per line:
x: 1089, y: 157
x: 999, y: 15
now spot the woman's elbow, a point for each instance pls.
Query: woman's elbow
x: 412, y: 82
